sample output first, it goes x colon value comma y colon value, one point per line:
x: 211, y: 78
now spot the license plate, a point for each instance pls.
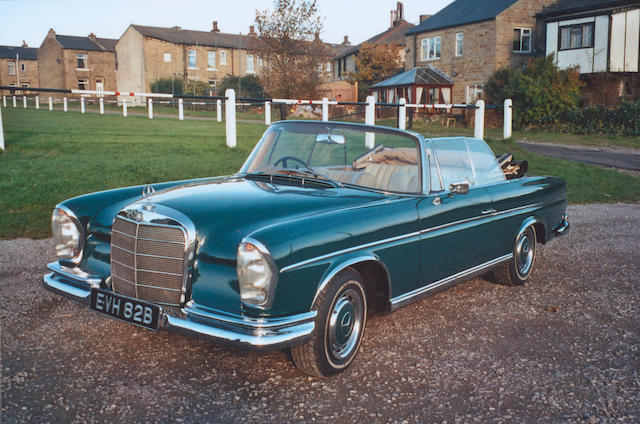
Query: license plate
x: 124, y: 308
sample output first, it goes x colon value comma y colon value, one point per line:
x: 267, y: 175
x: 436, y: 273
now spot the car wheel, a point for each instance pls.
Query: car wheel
x: 342, y: 315
x: 517, y: 270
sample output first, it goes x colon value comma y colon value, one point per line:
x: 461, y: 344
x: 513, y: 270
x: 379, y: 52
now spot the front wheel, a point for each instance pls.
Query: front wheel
x: 517, y: 270
x: 342, y: 315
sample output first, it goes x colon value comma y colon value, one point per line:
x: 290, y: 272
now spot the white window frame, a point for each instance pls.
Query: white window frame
x: 213, y: 83
x: 328, y: 66
x: 86, y: 84
x: 25, y: 85
x: 85, y: 58
x: 426, y: 47
x: 478, y: 92
x: 459, y: 44
x: 11, y: 68
x: 522, y: 37
x: 223, y: 57
x: 167, y: 57
x: 572, y: 27
x: 260, y: 63
x: 212, y: 63
x: 251, y: 64
x: 23, y: 67
x: 191, y: 53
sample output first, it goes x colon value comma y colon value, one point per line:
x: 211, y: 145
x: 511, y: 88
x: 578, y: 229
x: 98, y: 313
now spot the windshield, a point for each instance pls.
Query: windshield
x: 381, y: 159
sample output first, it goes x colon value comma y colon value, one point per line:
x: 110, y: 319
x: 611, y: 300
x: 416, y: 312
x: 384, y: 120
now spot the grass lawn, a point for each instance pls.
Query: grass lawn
x: 52, y: 156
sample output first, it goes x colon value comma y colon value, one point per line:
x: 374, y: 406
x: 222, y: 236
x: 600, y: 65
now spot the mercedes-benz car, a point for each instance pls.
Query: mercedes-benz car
x: 324, y: 224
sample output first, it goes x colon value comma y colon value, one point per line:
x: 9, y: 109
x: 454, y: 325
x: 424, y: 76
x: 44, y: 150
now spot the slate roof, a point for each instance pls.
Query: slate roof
x: 201, y: 38
x: 566, y: 7
x: 427, y: 75
x: 79, y: 43
x: 109, y: 44
x: 394, y: 35
x: 26, y: 53
x: 463, y: 12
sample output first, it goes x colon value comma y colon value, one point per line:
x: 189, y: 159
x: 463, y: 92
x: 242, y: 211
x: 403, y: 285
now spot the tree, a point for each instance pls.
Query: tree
x: 247, y: 86
x: 542, y: 93
x: 291, y: 50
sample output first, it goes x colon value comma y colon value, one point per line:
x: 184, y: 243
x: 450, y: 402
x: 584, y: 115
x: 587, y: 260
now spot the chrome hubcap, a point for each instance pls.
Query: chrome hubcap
x: 345, y: 324
x: 525, y: 247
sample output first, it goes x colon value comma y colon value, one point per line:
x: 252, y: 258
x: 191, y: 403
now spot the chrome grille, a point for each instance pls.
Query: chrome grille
x: 148, y: 261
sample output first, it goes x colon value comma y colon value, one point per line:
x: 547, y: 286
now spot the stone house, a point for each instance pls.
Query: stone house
x: 18, y: 67
x: 80, y: 63
x: 147, y: 54
x: 469, y: 39
x: 602, y: 39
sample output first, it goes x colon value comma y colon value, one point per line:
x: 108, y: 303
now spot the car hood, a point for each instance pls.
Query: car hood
x: 225, y: 211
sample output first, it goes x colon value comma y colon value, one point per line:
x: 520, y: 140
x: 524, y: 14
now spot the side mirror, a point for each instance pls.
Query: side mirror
x: 461, y: 187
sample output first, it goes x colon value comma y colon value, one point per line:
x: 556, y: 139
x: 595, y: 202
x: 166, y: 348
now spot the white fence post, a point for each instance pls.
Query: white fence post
x: 50, y: 103
x: 180, y: 110
x: 267, y: 113
x: 325, y: 109
x: 150, y: 103
x: 64, y: 104
x: 370, y: 119
x: 124, y: 107
x: 4, y: 101
x: 230, y: 114
x: 402, y: 114
x: 14, y: 101
x: 81, y: 104
x: 508, y: 118
x: 37, y: 102
x: 1, y: 133
x: 101, y: 106
x: 24, y: 102
x: 478, y: 128
x: 219, y: 110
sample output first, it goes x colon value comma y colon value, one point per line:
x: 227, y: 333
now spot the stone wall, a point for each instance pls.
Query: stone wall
x: 28, y: 76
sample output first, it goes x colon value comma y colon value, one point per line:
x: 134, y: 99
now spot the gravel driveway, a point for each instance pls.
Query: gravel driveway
x: 563, y: 348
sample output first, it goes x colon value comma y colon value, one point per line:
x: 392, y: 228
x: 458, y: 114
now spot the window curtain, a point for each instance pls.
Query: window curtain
x: 419, y: 94
x: 376, y: 95
x: 446, y: 95
x: 391, y: 92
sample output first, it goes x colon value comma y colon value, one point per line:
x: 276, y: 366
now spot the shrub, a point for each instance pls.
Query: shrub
x: 625, y: 120
x: 167, y: 85
x: 247, y: 86
x: 542, y: 93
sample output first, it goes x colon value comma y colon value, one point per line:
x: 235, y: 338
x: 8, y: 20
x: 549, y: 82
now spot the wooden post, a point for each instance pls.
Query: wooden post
x: 267, y: 113
x: 325, y: 109
x: 124, y: 107
x: 478, y: 128
x: 150, y: 103
x: 219, y: 110
x: 230, y: 114
x: 24, y: 102
x: 508, y: 119
x: 64, y: 105
x: 37, y: 102
x: 1, y: 133
x: 180, y: 110
x: 81, y: 104
x: 370, y: 119
x: 101, y: 106
x: 50, y: 103
x: 402, y: 114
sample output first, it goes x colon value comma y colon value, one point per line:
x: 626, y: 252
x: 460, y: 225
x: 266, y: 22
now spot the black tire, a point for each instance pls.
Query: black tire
x: 339, y: 327
x: 516, y: 271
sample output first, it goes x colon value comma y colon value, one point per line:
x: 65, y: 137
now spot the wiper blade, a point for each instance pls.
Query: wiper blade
x: 315, y: 175
x: 300, y: 173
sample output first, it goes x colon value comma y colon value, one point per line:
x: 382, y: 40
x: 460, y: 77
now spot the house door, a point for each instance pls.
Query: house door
x: 99, y: 85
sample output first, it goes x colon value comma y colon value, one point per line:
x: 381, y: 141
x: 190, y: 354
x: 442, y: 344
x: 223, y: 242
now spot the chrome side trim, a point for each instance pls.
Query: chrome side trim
x: 406, y: 298
x: 404, y: 236
x: 341, y: 267
x: 350, y: 249
x: 193, y: 308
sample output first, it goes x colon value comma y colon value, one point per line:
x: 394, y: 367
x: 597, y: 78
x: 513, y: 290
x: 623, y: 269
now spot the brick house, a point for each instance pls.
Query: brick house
x: 82, y: 63
x: 147, y: 54
x: 469, y: 39
x: 18, y: 67
x: 602, y: 38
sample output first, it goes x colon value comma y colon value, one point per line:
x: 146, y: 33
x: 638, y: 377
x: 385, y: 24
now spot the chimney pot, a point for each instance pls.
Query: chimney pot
x: 214, y: 28
x: 24, y: 44
x: 346, y: 41
x: 252, y: 30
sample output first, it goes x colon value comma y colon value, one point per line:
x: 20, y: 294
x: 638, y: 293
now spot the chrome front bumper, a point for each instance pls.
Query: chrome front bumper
x: 218, y: 326
x: 562, y: 228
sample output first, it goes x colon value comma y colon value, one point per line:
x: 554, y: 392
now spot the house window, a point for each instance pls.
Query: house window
x: 191, y: 55
x: 259, y: 62
x: 474, y: 93
x: 25, y: 85
x: 522, y: 40
x: 212, y: 83
x: 328, y: 66
x: 250, y: 66
x: 459, y: 38
x: 434, y: 96
x: 576, y: 36
x: 82, y: 61
x: 12, y: 68
x: 167, y: 57
x: 223, y: 57
x: 431, y: 48
x: 211, y: 59
x: 83, y: 84
x: 23, y: 66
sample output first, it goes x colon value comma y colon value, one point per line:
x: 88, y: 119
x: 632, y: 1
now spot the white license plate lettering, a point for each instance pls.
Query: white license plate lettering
x: 148, y: 315
x: 137, y: 316
x: 128, y: 310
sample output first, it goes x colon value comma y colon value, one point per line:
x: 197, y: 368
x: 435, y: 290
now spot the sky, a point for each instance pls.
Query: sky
x: 30, y: 20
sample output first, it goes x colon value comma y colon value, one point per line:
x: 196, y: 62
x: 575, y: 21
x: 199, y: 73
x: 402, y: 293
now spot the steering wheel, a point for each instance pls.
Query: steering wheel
x: 284, y: 160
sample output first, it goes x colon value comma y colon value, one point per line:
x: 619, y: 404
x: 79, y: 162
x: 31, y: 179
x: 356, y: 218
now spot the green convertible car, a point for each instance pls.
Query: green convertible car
x: 325, y: 223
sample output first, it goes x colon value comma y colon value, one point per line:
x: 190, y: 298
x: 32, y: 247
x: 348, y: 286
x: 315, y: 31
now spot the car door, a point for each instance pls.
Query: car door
x: 454, y: 228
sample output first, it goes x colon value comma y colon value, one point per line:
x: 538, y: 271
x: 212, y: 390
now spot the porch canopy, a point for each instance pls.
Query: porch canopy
x: 424, y: 85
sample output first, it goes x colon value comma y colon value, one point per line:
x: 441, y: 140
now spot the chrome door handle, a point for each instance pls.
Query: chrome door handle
x: 488, y: 211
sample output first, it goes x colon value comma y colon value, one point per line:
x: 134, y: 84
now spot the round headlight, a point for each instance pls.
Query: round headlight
x: 256, y: 274
x: 67, y: 235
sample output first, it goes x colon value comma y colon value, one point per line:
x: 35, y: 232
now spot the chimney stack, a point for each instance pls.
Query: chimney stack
x: 346, y: 41
x: 252, y: 30
x: 24, y: 44
x: 92, y: 37
x: 215, y: 27
x: 397, y: 15
x: 176, y: 27
x: 424, y: 18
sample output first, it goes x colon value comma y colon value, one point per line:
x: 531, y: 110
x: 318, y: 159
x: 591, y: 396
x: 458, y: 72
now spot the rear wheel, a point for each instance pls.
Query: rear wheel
x: 517, y: 270
x: 339, y: 326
